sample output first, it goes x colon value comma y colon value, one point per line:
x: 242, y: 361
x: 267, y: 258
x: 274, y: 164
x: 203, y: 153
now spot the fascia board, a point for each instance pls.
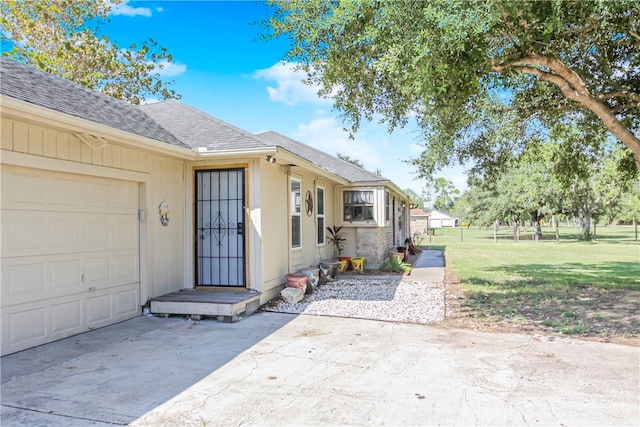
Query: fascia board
x: 215, y: 154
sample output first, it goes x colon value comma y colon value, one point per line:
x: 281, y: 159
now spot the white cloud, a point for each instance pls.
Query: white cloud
x: 169, y: 69
x: 126, y: 10
x: 289, y: 88
x: 327, y: 135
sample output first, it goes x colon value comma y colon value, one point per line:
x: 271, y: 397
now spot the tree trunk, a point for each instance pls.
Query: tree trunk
x: 635, y: 227
x: 537, y: 231
x: 495, y: 231
x: 585, y: 225
x: 516, y: 231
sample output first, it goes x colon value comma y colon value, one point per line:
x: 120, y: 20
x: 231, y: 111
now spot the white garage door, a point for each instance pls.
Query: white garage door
x: 70, y: 257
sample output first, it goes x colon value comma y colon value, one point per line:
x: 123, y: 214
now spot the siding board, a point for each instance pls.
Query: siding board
x: 6, y: 134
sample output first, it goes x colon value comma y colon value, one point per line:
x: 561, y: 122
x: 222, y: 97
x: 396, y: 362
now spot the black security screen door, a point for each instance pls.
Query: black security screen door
x: 220, y: 259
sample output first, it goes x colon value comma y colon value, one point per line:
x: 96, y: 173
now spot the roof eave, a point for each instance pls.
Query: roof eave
x: 202, y: 154
x: 290, y: 158
x: 22, y: 110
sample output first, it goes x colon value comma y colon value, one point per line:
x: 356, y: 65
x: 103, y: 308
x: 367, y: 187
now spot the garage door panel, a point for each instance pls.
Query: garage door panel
x: 70, y: 255
x: 23, y: 280
x: 126, y: 303
x: 52, y: 276
x: 97, y: 271
x: 65, y: 193
x: 34, y: 323
x: 66, y: 276
x: 30, y: 233
x: 65, y: 233
x: 125, y: 268
x: 23, y: 188
x: 98, y: 309
x: 123, y: 197
x: 96, y: 194
x: 32, y: 190
x: 123, y: 232
x: 95, y: 232
x: 66, y: 318
x: 22, y: 234
x: 26, y: 327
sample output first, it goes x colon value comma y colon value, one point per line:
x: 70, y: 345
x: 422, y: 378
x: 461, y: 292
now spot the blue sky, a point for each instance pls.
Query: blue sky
x: 222, y: 67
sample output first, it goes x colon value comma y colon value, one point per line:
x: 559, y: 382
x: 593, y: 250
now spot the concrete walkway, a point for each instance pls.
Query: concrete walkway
x: 429, y: 267
x: 279, y: 369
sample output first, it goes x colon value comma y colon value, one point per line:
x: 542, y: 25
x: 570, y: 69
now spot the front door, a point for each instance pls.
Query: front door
x: 220, y: 250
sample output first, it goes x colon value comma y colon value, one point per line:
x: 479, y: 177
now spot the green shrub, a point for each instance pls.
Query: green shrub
x: 396, y: 265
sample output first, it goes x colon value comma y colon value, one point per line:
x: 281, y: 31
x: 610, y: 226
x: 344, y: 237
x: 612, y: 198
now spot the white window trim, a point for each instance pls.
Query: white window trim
x: 323, y: 215
x: 293, y: 213
x: 387, y: 207
x: 366, y: 222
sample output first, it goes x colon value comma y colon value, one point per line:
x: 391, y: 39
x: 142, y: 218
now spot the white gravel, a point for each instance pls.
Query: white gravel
x: 406, y: 301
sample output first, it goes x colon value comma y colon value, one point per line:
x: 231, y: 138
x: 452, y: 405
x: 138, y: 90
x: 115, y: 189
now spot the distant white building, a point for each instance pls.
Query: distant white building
x: 438, y: 219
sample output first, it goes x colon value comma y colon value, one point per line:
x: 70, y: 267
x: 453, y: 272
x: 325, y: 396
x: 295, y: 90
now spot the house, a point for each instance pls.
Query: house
x: 106, y: 206
x: 439, y: 219
x: 419, y: 221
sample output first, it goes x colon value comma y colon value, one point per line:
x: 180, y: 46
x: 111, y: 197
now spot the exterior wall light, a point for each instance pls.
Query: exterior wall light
x: 271, y: 159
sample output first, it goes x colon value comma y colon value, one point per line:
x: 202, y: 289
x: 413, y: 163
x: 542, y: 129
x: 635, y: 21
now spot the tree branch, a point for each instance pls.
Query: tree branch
x: 573, y: 88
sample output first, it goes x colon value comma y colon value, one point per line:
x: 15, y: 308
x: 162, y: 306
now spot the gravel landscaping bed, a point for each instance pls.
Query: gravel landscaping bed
x: 407, y: 301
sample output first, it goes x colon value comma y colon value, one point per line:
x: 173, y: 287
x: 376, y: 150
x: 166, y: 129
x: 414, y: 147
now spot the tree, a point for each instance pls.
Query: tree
x: 443, y: 194
x: 597, y: 181
x: 61, y: 38
x: 449, y: 63
x: 351, y: 160
x: 630, y: 205
x: 417, y: 200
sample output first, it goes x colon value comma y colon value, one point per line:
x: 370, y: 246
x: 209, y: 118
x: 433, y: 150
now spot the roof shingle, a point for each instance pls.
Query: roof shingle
x: 31, y: 85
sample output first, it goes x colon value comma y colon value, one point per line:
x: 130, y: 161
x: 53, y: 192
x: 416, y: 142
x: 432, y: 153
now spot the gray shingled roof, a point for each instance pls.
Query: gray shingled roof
x: 342, y: 168
x: 28, y: 84
x: 198, y: 129
x: 169, y: 121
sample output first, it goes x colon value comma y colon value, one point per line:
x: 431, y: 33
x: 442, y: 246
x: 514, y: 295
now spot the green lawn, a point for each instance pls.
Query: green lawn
x: 566, y: 285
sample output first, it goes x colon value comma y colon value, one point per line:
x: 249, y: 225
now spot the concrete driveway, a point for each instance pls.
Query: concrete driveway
x: 279, y: 369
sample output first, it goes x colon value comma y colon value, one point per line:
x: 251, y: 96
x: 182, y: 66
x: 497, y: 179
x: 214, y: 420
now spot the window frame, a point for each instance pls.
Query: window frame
x: 320, y: 238
x: 367, y: 207
x: 387, y: 206
x: 295, y: 211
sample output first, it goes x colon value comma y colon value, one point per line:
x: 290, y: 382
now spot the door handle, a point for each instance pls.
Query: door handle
x: 240, y: 228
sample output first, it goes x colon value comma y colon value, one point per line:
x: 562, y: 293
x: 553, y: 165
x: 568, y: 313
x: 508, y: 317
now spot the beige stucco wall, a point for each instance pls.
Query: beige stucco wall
x: 278, y: 258
x: 160, y: 178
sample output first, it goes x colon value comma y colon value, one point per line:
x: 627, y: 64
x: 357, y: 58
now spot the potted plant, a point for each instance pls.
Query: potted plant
x: 337, y: 239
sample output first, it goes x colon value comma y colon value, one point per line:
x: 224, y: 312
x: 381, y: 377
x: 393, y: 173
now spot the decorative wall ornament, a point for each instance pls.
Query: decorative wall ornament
x: 165, y: 213
x: 308, y: 203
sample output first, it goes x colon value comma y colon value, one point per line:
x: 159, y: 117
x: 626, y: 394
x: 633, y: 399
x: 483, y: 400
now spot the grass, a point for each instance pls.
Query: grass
x: 568, y: 286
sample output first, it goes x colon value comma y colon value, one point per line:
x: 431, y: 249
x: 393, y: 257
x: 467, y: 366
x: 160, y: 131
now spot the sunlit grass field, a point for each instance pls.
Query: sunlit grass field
x: 567, y: 285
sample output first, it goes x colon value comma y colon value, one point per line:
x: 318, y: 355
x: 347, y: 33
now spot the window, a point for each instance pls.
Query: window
x: 358, y: 205
x: 296, y: 208
x: 387, y: 206
x: 320, y: 214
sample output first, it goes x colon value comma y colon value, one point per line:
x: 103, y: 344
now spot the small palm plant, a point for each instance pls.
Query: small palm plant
x: 336, y: 238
